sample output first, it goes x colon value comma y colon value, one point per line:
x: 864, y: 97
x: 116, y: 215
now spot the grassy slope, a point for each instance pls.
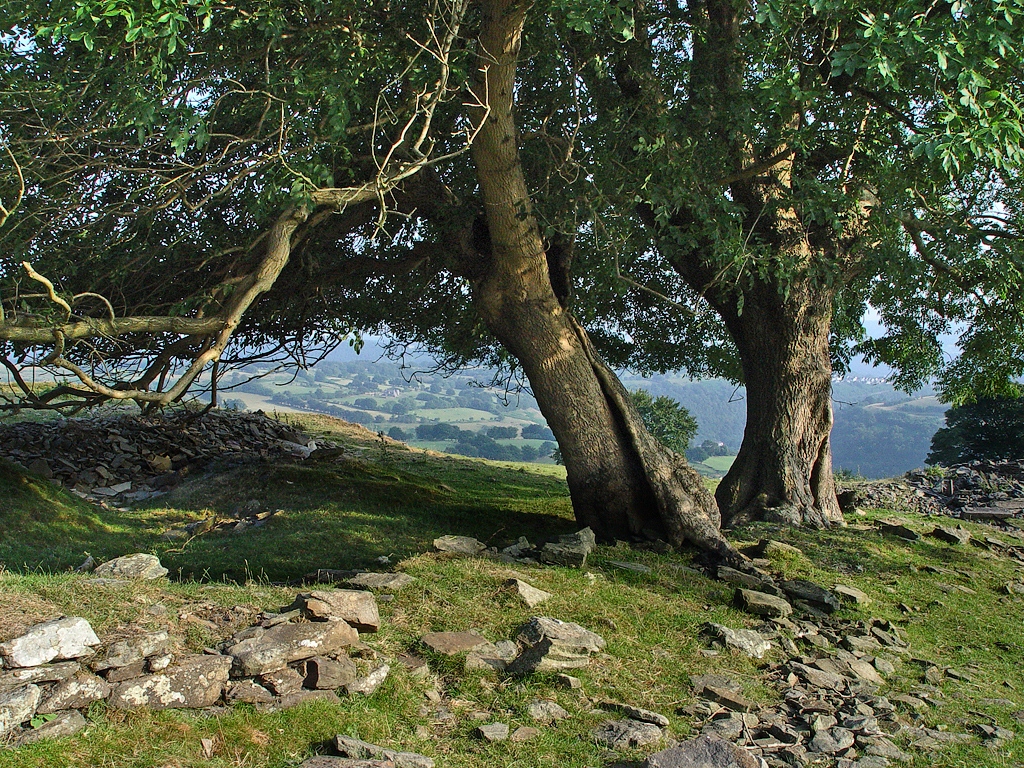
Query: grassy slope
x: 394, y: 503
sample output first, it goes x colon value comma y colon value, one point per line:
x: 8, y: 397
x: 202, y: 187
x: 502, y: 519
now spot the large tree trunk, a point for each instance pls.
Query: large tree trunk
x: 784, y: 468
x: 622, y: 482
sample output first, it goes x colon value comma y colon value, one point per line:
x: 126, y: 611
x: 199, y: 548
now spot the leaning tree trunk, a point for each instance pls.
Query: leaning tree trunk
x: 622, y: 482
x: 783, y: 471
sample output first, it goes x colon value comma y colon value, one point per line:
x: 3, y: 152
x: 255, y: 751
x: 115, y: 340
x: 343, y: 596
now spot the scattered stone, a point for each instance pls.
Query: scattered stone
x: 492, y: 657
x: 831, y: 741
x: 68, y: 638
x: 625, y: 734
x: 950, y: 535
x: 282, y: 681
x: 74, y: 693
x: 63, y: 724
x: 493, y: 732
x: 632, y: 567
x: 453, y: 643
x: 728, y: 699
x: 762, y: 604
x: 898, y: 530
x: 194, y: 682
x: 848, y: 594
x: 367, y: 686
x: 570, y: 550
x: 569, y: 682
x: 137, y: 566
x: 527, y: 593
x: 354, y: 606
x: 747, y: 580
x: 355, y: 748
x: 326, y: 761
x: 817, y: 596
x: 460, y: 545
x: 392, y: 582
x: 17, y: 706
x: 544, y: 711
x: 554, y: 646
x: 525, y: 733
x: 271, y: 649
x: 636, y: 713
x: 705, y: 751
x: 747, y: 640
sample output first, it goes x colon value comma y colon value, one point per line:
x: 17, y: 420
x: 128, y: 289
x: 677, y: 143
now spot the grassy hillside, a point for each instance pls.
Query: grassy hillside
x: 385, y: 502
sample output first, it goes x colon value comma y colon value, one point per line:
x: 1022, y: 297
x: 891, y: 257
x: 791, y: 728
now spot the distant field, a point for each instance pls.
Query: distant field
x: 721, y: 463
x: 452, y: 415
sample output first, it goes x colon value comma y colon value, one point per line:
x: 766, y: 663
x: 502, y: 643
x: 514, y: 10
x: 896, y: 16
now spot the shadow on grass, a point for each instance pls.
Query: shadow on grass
x: 346, y: 515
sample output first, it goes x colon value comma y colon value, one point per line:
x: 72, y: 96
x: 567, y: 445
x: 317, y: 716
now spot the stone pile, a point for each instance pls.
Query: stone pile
x: 310, y: 650
x: 136, y: 457
x: 979, y: 490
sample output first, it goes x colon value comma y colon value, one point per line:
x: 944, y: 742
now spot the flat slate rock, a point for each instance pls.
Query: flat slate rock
x: 17, y: 706
x: 67, y: 638
x: 763, y: 604
x: 64, y: 724
x: 14, y: 678
x: 461, y: 545
x: 74, y: 693
x: 389, y: 581
x: 454, y: 643
x: 355, y: 606
x: 528, y: 593
x: 326, y: 761
x: 705, y: 751
x: 271, y: 649
x: 194, y: 682
x: 625, y: 734
x: 747, y: 640
x: 356, y: 748
x: 132, y: 649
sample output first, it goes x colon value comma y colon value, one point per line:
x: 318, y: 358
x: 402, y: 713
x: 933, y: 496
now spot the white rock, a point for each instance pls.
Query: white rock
x: 68, y: 638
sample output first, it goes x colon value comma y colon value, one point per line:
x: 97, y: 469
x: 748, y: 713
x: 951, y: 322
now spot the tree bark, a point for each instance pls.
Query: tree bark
x: 783, y: 471
x: 622, y: 482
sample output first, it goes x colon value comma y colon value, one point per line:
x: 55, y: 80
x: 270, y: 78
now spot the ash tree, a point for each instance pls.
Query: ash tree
x: 162, y: 165
x: 791, y: 162
x: 986, y: 428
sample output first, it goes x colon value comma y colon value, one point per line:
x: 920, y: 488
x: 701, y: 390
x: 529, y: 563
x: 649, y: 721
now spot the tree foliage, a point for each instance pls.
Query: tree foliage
x: 666, y: 419
x: 987, y: 428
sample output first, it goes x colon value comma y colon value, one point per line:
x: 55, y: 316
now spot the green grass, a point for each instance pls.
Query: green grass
x: 391, y: 502
x: 721, y: 463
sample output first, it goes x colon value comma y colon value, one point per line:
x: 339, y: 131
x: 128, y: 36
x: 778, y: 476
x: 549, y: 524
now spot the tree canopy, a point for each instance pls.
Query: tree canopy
x: 987, y: 428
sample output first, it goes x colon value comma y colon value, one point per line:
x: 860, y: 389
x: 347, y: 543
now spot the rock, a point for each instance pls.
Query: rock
x: 132, y: 649
x: 392, y: 582
x: 762, y: 604
x: 355, y: 748
x: 831, y: 741
x: 950, y: 535
x: 15, y: 678
x: 492, y: 657
x: 705, y: 751
x: 74, y: 693
x: 525, y: 733
x: 63, y: 724
x: 527, y: 593
x: 325, y: 761
x: 120, y: 674
x: 247, y: 692
x: 636, y: 713
x: 271, y: 649
x: 493, y: 732
x: 570, y: 550
x: 728, y: 699
x: 747, y: 640
x: 624, y: 734
x: 770, y: 548
x: 633, y: 567
x: 569, y: 682
x: 553, y: 646
x: 809, y: 592
x: 544, y: 711
x: 871, y: 761
x: 355, y: 606
x: 137, y: 566
x: 17, y: 706
x: 68, y: 638
x: 747, y: 580
x: 454, y: 643
x: 899, y: 530
x: 853, y: 595
x: 461, y: 545
x: 327, y: 674
x: 194, y: 682
x: 818, y: 678
x: 281, y: 682
x: 367, y: 685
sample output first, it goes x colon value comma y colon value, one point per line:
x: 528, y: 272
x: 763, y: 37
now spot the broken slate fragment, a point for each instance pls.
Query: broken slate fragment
x: 13, y: 678
x: 454, y: 643
x: 391, y: 582
x: 570, y: 550
x: 527, y: 592
x: 553, y: 646
x: 358, y: 749
x: 624, y: 734
x: 68, y: 638
x: 63, y: 724
x: 762, y: 604
x: 728, y: 699
x: 636, y: 713
x: 493, y: 732
x: 366, y: 686
x: 271, y: 649
x: 461, y: 545
x: 544, y: 711
x: 747, y: 640
x: 848, y: 594
x: 327, y: 674
x: 816, y: 596
x: 132, y: 649
x: 355, y: 606
x: 17, y: 706
x: 74, y: 693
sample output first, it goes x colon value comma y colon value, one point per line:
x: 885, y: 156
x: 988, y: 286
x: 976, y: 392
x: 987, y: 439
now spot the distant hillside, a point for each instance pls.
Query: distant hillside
x: 878, y: 431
